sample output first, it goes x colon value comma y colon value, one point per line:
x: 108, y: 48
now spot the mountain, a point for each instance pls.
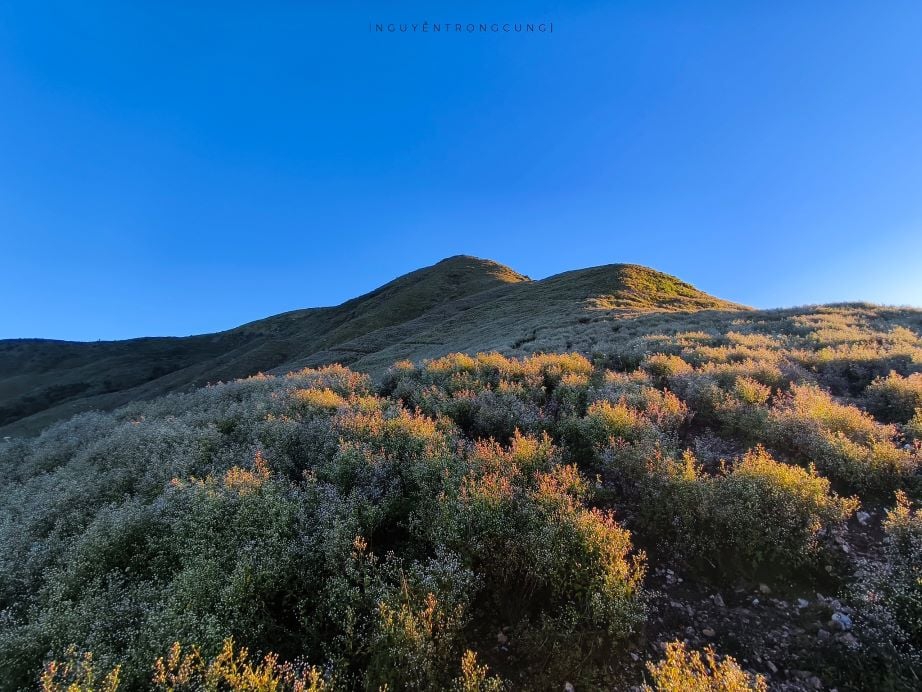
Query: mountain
x: 459, y: 304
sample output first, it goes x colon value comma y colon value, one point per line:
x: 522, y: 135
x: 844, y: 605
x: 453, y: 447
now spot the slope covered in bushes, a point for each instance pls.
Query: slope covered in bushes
x: 460, y: 303
x: 490, y: 522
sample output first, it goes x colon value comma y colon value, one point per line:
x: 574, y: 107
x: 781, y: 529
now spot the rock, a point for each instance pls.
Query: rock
x: 840, y: 621
x: 823, y: 635
x: 815, y: 682
x: 848, y: 639
x: 709, y: 633
x: 635, y: 657
x: 771, y: 666
x: 568, y: 687
x: 863, y: 518
x: 764, y: 588
x: 802, y: 603
x: 718, y: 600
x: 755, y: 601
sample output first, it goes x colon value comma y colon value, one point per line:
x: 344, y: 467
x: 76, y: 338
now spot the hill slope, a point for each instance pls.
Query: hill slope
x: 459, y: 304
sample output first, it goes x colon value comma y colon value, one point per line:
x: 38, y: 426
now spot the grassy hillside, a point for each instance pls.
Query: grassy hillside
x: 694, y: 498
x: 42, y: 381
x: 461, y: 303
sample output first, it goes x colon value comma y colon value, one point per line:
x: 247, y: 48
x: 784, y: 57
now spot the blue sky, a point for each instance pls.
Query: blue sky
x: 175, y: 168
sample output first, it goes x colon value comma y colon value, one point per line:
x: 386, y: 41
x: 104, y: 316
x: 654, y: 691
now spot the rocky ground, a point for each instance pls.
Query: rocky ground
x: 791, y: 635
x: 787, y: 634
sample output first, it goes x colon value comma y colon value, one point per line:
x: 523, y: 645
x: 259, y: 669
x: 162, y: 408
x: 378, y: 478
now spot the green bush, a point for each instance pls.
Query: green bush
x: 887, y: 597
x: 758, y: 516
x: 844, y: 442
x: 894, y: 399
x: 386, y: 534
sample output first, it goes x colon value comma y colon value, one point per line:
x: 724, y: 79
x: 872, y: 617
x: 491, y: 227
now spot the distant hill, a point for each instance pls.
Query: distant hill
x: 459, y: 304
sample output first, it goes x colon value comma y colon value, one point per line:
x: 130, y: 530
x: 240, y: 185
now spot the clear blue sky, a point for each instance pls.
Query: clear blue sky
x: 182, y: 167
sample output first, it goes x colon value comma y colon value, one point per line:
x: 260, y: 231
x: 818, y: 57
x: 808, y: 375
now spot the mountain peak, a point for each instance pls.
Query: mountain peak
x: 469, y: 264
x: 634, y: 287
x: 461, y: 303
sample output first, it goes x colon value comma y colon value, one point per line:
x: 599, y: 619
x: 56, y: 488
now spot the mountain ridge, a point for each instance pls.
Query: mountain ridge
x: 462, y: 303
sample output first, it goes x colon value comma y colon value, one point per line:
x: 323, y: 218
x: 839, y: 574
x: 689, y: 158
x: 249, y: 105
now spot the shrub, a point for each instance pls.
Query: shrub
x: 232, y: 669
x: 844, y: 442
x: 317, y: 400
x: 663, y: 408
x: 419, y: 626
x: 541, y: 552
x: 774, y: 513
x: 887, y: 596
x: 894, y: 399
x: 605, y: 421
x: 496, y: 414
x: 687, y: 671
x: 662, y: 366
x: 338, y: 378
x: 77, y: 673
x: 903, y: 589
x: 761, y: 515
x: 736, y: 408
x: 476, y: 678
x: 914, y: 426
x: 525, y: 455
